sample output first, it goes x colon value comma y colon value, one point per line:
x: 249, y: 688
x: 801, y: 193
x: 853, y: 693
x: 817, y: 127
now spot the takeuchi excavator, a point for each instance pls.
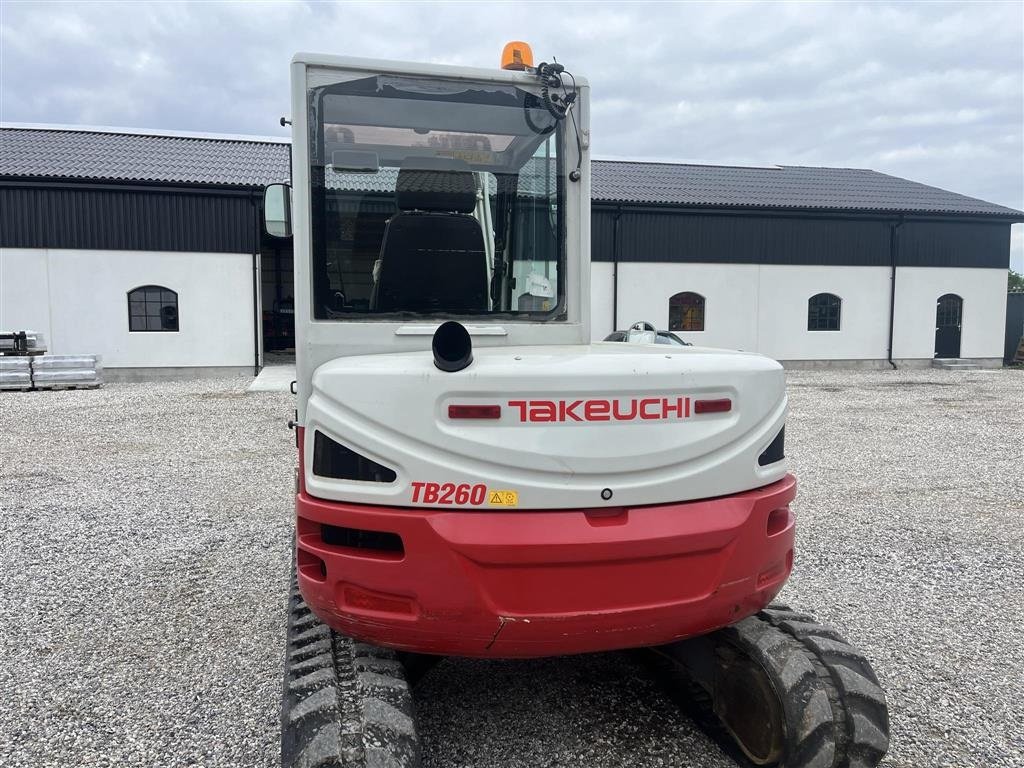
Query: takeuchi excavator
x: 475, y: 477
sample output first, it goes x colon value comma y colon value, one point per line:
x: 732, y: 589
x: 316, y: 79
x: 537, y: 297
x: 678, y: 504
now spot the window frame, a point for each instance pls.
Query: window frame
x: 826, y: 324
x: 163, y: 289
x: 319, y: 195
x: 942, y: 312
x: 703, y: 312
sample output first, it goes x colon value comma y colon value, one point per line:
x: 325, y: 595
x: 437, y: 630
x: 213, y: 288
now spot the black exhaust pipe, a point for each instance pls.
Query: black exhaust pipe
x: 453, y: 348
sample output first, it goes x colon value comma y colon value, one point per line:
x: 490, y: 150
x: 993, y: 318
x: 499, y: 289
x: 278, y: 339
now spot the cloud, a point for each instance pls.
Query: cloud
x: 929, y: 91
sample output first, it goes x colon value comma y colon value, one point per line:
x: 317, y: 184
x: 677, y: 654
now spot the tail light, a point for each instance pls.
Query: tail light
x: 474, y: 411
x: 722, y: 405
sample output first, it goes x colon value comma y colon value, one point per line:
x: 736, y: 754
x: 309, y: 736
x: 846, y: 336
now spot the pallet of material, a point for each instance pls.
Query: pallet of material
x: 66, y: 371
x: 15, y: 373
x: 28, y: 372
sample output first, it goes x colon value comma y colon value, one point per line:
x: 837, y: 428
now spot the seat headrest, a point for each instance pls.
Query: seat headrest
x: 435, y: 184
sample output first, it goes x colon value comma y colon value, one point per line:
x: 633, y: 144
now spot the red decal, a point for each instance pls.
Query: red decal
x: 620, y: 416
x: 447, y: 490
x: 644, y: 414
x: 542, y: 410
x: 647, y: 409
x: 430, y: 493
x: 416, y: 488
x: 448, y: 493
x: 667, y: 407
x: 566, y: 410
x: 478, y: 494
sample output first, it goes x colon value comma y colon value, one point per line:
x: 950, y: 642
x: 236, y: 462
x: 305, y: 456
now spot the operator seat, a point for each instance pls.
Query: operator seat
x: 432, y: 258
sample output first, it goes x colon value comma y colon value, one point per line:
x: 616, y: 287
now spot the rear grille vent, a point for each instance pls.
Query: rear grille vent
x: 333, y: 460
x: 356, y: 538
x: 774, y: 452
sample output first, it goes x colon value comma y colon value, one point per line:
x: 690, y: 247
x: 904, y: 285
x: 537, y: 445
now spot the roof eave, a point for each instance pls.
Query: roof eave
x: 1009, y: 217
x: 124, y: 184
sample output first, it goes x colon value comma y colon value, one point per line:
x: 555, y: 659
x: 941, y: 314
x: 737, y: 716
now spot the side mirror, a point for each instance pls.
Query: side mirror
x: 277, y: 210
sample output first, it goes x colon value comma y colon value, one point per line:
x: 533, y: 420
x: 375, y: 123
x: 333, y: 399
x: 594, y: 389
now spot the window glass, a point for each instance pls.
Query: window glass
x: 823, y: 312
x: 686, y: 312
x: 947, y: 313
x: 434, y: 197
x: 152, y: 308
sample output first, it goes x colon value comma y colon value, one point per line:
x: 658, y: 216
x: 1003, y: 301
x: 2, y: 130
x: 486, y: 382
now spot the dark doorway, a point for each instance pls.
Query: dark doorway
x: 278, y: 295
x: 948, y: 318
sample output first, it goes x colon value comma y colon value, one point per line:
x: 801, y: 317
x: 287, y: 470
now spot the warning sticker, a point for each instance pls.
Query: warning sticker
x: 502, y: 498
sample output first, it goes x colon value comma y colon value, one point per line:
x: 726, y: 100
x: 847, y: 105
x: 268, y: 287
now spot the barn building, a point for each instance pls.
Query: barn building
x: 147, y: 248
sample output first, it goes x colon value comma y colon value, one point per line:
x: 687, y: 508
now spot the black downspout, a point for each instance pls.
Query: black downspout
x: 615, y: 269
x: 894, y: 249
x: 257, y: 237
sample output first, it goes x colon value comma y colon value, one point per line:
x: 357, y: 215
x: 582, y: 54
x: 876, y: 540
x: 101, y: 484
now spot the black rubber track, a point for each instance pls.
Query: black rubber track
x: 858, y: 702
x: 806, y: 707
x: 345, y: 703
x: 833, y: 709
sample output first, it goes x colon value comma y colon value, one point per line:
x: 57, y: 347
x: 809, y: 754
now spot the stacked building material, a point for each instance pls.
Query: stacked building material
x: 15, y: 373
x: 24, y: 365
x: 66, y: 371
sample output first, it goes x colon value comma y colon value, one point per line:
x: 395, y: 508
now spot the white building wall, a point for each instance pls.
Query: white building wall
x: 763, y: 308
x: 984, y: 312
x: 729, y: 291
x: 24, y: 291
x: 78, y: 298
x: 601, y: 290
x: 863, y: 320
x: 86, y: 302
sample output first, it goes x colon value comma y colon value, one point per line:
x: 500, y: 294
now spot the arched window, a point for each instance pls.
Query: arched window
x: 686, y: 312
x: 152, y: 308
x: 823, y: 311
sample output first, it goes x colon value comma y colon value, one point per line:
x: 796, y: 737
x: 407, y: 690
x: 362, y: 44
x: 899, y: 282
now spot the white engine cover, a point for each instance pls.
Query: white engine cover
x: 575, y: 421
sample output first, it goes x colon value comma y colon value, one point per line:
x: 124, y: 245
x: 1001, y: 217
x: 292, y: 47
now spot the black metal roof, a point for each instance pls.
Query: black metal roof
x: 115, y: 155
x: 108, y: 155
x: 791, y: 187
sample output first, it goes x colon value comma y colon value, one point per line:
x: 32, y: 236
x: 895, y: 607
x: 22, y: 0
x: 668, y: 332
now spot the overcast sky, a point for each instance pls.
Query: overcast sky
x: 929, y: 91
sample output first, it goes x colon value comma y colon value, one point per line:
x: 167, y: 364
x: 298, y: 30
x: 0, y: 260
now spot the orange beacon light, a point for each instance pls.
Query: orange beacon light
x: 516, y: 55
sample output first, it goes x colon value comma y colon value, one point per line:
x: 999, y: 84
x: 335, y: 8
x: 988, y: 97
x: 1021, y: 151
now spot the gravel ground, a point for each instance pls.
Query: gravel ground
x: 143, y: 568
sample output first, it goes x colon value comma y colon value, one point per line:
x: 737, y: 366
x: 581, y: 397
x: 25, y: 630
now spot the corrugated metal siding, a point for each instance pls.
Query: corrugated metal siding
x: 709, y: 238
x: 1014, y: 324
x: 602, y: 232
x: 716, y: 238
x: 954, y: 244
x: 166, y: 219
x: 129, y: 219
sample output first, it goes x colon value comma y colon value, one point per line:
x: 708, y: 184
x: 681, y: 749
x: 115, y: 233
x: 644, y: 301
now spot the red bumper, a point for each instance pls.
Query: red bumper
x: 531, y: 583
